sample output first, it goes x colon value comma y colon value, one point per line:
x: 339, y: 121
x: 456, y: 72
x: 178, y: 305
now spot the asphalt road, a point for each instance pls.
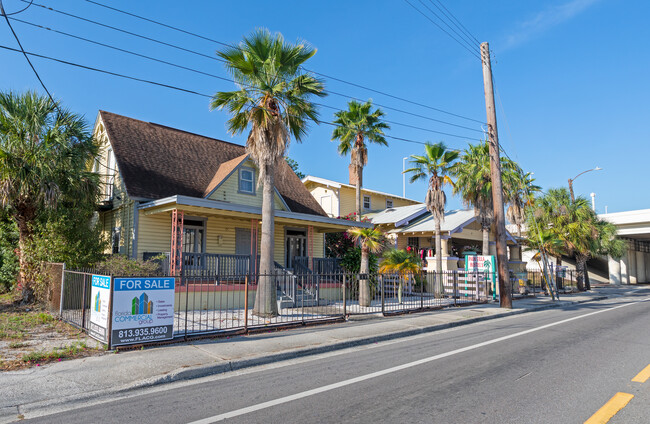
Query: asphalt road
x: 553, y: 366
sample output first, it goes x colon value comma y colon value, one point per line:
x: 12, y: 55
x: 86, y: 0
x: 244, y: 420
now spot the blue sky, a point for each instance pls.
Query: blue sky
x: 571, y: 75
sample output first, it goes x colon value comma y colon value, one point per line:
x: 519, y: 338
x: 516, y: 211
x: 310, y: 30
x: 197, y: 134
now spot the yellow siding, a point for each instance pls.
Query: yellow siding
x: 348, y: 204
x: 121, y: 218
x: 228, y: 191
x: 319, y: 245
x: 154, y: 233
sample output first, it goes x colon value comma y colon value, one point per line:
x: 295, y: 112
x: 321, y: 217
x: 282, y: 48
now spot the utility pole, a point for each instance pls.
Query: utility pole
x: 505, y: 297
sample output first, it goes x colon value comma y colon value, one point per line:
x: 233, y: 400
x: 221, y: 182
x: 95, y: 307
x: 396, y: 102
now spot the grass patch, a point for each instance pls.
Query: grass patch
x: 42, y: 356
x: 17, y: 325
x: 17, y: 345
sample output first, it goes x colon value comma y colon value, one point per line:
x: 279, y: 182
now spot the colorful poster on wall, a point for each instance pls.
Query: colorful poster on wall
x: 143, y: 310
x: 100, y: 294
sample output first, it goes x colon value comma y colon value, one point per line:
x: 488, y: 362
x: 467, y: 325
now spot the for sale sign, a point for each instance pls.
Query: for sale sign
x: 143, y: 310
x: 100, y: 295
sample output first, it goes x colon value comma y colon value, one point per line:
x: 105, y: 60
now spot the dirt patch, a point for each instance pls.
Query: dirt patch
x: 30, y: 336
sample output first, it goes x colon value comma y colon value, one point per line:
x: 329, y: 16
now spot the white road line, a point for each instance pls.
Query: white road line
x: 286, y: 399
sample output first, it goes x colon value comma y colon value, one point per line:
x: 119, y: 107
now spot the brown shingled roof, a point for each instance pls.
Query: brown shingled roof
x: 156, y: 161
x: 225, y: 169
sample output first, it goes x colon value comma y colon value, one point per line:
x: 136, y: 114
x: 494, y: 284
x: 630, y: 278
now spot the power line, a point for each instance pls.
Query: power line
x: 463, y: 37
x: 233, y: 81
x: 21, y: 10
x: 229, y: 79
x: 383, y: 93
x: 473, y: 53
x: 453, y: 18
x: 172, y: 87
x: 22, y: 50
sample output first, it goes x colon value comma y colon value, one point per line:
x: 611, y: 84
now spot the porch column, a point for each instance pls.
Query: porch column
x: 254, y: 230
x: 640, y: 267
x: 614, y: 266
x: 176, y: 251
x: 310, y: 246
x: 647, y: 267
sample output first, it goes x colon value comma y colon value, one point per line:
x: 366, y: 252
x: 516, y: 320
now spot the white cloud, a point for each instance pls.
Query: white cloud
x: 545, y: 20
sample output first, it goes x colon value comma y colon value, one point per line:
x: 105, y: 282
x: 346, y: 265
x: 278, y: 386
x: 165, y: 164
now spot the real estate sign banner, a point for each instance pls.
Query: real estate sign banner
x: 143, y: 310
x: 100, y: 295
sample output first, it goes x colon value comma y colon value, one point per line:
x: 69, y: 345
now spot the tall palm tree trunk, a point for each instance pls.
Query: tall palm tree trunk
x: 364, y: 286
x: 358, y: 170
x: 581, y: 261
x: 266, y: 297
x: 485, y: 249
x: 438, y: 281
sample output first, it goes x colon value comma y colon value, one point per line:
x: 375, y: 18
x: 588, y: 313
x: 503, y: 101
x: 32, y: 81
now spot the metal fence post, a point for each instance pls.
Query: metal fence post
x: 83, y: 303
x: 185, y: 284
x: 381, y: 285
x: 422, y: 280
x: 345, y: 296
x: 62, y: 291
x: 109, y: 329
x: 455, y: 292
x: 246, y: 304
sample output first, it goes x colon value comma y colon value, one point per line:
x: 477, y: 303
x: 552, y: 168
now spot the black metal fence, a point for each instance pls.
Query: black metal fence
x: 224, y: 303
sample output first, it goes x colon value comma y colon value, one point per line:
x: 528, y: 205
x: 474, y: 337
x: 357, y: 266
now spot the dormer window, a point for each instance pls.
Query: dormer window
x: 366, y: 202
x: 247, y: 180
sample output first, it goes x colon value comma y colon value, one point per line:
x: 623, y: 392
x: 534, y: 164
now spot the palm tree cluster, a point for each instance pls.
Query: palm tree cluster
x: 559, y: 226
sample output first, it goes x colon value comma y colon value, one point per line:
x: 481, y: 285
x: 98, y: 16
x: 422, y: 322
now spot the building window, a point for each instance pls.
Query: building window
x: 246, y: 180
x: 366, y: 202
x: 389, y: 203
x: 115, y: 240
x: 414, y: 242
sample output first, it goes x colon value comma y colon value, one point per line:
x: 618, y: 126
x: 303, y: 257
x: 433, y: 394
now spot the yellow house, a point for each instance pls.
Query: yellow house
x: 338, y: 199
x: 196, y: 199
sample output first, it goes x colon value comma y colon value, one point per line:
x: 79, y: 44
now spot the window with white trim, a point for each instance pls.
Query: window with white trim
x: 389, y: 203
x: 247, y: 180
x: 366, y: 202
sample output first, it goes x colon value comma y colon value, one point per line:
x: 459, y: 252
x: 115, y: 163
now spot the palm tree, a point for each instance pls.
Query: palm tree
x: 44, y: 153
x: 273, y: 99
x: 435, y: 165
x: 370, y: 240
x: 401, y: 262
x: 544, y: 241
x: 474, y: 184
x: 357, y: 125
x: 522, y: 196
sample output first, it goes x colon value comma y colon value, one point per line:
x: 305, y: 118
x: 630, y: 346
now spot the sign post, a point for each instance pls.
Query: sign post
x: 143, y: 310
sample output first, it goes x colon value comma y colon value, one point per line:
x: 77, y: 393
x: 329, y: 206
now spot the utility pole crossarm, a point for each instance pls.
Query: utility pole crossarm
x: 497, y: 187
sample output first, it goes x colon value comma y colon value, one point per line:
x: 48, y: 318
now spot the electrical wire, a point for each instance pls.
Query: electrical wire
x: 383, y: 93
x: 453, y: 18
x: 172, y: 87
x: 233, y: 81
x: 29, y: 3
x: 473, y: 53
x: 463, y: 37
x: 22, y: 50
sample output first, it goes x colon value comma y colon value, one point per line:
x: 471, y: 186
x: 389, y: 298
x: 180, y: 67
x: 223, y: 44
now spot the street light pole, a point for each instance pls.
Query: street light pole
x: 573, y: 179
x: 404, y: 176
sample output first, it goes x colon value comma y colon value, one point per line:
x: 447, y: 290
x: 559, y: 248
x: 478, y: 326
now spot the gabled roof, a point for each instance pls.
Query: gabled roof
x: 156, y: 161
x: 224, y: 171
x: 454, y: 221
x: 399, y: 216
x: 335, y: 184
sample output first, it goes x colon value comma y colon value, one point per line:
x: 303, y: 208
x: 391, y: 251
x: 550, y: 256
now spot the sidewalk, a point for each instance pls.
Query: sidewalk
x: 22, y: 392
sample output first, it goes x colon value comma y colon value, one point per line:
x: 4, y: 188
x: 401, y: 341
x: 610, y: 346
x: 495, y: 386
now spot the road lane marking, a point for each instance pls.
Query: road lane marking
x: 643, y: 376
x: 318, y: 390
x: 615, y: 404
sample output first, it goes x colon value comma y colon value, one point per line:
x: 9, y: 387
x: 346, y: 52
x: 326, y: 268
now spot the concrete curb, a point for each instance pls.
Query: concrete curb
x: 185, y: 374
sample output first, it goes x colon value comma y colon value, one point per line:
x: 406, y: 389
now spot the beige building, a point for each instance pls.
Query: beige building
x: 338, y: 199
